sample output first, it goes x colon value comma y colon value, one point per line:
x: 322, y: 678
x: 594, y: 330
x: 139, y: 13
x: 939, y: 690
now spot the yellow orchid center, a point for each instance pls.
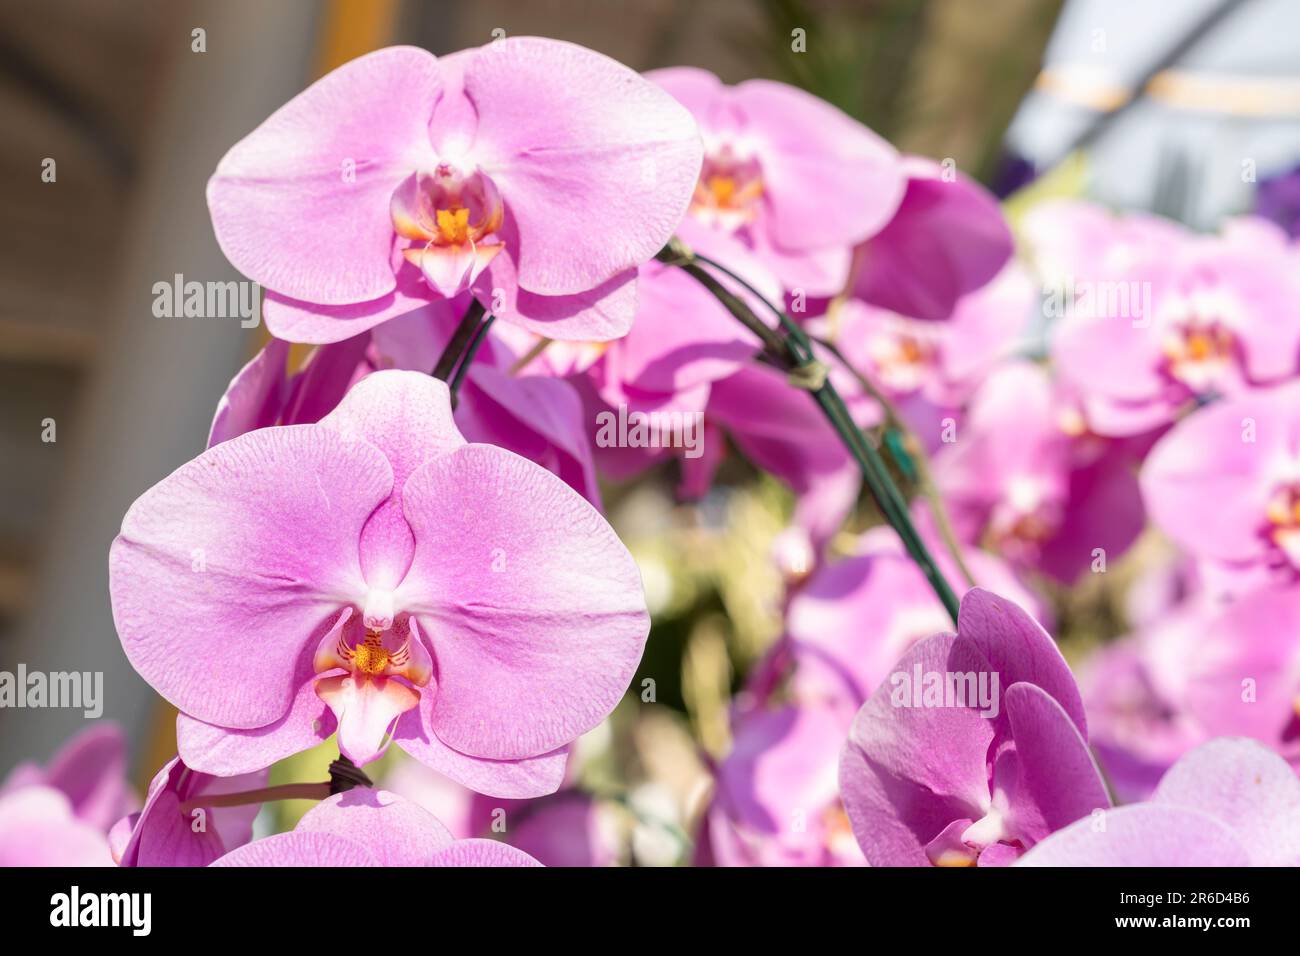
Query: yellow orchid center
x: 729, y: 189
x: 370, y: 656
x: 453, y: 226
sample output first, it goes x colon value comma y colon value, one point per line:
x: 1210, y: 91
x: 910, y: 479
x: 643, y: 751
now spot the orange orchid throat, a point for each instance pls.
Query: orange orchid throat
x: 729, y: 189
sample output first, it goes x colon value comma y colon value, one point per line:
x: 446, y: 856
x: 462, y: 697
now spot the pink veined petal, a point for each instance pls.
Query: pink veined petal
x: 397, y: 831
x: 1058, y: 780
x: 599, y: 314
x: 407, y: 416
x: 508, y: 779
x: 532, y: 605
x: 255, y: 396
x: 1248, y: 787
x: 300, y: 849
x: 224, y: 751
x: 481, y: 853
x: 296, y: 320
x: 301, y: 204
x: 595, y: 164
x: 1016, y: 646
x: 907, y: 772
x: 225, y: 568
x: 827, y: 179
x: 1141, y: 834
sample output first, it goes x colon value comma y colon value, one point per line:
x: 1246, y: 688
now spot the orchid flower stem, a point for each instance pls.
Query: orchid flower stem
x: 793, y: 352
x: 920, y: 461
x: 460, y: 341
x: 470, y: 351
x: 285, y: 791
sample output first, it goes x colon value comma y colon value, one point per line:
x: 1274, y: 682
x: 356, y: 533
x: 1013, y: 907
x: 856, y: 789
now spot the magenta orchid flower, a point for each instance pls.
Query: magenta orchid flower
x: 1215, y: 317
x: 174, y: 828
x: 931, y: 775
x: 1229, y: 802
x: 1021, y: 477
x: 1243, y: 454
x: 365, y: 827
x: 790, y: 176
x: 533, y: 173
x: 776, y: 801
x: 947, y: 238
x: 376, y: 575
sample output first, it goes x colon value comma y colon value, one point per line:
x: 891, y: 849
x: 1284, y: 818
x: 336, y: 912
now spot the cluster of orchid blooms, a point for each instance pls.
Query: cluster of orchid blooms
x: 387, y: 556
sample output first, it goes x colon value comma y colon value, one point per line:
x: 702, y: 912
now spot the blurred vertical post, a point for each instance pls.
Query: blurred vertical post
x: 156, y: 381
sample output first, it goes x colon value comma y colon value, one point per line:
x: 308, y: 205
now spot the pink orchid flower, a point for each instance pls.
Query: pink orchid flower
x: 946, y: 239
x: 375, y: 574
x: 1229, y: 802
x: 796, y: 180
x: 365, y: 827
x: 1043, y: 494
x: 931, y: 776
x: 175, y: 829
x: 39, y: 827
x: 930, y: 369
x: 533, y: 173
x: 777, y: 801
x: 90, y: 770
x: 1228, y: 670
x: 60, y: 814
x: 1214, y: 316
x: 1242, y: 454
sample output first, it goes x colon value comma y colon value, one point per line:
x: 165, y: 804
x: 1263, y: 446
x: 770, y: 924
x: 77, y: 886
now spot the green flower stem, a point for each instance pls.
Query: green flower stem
x: 917, y: 458
x: 793, y: 352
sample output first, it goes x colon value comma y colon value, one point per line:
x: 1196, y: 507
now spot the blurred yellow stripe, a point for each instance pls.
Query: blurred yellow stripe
x: 354, y: 27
